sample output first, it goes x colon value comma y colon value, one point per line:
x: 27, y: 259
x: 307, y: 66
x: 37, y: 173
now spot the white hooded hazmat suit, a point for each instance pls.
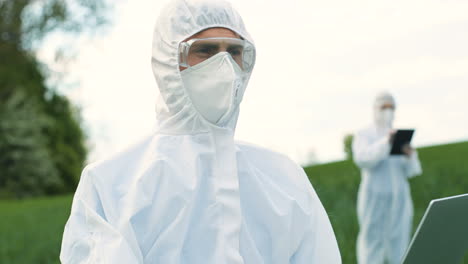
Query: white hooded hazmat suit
x: 384, y: 207
x: 189, y: 193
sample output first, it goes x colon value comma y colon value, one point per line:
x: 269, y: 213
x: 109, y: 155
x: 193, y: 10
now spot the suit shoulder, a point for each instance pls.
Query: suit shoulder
x: 276, y: 164
x: 123, y: 160
x: 264, y: 153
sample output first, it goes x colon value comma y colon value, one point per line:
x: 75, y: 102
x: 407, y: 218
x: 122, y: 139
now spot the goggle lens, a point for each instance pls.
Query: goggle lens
x: 195, y: 51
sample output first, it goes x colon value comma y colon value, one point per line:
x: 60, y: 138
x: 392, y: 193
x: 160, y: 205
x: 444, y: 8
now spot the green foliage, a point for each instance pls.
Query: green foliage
x: 27, y: 167
x: 41, y: 141
x: 445, y: 173
x: 66, y: 138
x: 348, y: 146
x: 42, y: 146
x: 27, y: 22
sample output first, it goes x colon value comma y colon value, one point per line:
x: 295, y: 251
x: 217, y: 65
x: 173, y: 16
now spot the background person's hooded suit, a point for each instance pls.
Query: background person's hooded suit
x: 384, y: 206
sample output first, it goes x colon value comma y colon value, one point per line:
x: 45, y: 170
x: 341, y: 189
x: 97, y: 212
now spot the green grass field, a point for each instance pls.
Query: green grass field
x: 445, y: 173
x: 31, y: 230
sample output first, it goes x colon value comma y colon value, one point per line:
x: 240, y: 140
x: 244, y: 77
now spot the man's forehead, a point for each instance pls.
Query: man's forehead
x: 215, y: 33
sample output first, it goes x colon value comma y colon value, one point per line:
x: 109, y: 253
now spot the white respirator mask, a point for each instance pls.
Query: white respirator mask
x: 215, y: 87
x: 385, y: 117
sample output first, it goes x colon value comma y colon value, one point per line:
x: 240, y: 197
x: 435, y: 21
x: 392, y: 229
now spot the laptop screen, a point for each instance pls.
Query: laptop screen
x: 442, y: 234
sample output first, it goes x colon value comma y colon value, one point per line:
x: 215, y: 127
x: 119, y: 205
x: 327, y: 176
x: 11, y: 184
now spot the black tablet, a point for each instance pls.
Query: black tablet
x: 402, y: 137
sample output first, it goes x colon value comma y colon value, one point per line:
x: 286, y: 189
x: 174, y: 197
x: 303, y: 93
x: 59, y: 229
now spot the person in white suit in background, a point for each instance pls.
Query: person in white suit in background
x: 384, y: 206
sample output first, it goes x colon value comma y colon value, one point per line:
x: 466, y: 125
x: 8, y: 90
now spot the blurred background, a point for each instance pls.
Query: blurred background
x: 76, y: 86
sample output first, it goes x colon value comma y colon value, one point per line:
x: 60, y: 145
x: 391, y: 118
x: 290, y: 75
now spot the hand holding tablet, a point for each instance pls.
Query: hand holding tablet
x: 401, y: 140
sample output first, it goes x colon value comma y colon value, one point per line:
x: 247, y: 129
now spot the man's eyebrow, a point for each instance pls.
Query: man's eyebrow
x: 207, y: 45
x: 230, y: 46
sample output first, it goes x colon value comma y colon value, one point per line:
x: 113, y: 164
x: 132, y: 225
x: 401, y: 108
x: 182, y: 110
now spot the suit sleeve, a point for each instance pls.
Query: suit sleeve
x: 368, y: 154
x: 412, y: 165
x: 318, y: 244
x: 88, y: 237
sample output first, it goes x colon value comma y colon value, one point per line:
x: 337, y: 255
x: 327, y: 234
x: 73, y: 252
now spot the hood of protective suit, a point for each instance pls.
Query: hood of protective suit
x: 383, y: 119
x: 180, y: 20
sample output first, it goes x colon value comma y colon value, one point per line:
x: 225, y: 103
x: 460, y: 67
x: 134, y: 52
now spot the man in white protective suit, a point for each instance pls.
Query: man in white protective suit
x: 384, y: 206
x: 189, y: 193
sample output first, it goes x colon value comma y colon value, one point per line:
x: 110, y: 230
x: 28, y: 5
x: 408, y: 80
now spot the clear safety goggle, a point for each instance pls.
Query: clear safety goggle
x: 194, y: 51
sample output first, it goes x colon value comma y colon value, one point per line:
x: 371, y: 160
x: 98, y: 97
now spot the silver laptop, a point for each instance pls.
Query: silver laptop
x: 442, y: 234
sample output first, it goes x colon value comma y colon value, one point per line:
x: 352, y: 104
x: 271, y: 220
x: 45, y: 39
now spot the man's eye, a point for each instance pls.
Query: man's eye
x: 235, y: 51
x: 205, y: 50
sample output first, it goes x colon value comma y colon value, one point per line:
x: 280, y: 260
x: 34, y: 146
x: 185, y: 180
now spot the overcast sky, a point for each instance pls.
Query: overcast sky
x: 319, y: 66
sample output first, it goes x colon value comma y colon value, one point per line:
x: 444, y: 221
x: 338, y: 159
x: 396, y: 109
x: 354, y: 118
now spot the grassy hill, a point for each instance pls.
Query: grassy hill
x: 445, y: 173
x: 31, y: 230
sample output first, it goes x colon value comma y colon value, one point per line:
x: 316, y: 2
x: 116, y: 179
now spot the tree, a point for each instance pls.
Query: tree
x: 42, y: 146
x: 25, y: 22
x: 27, y: 168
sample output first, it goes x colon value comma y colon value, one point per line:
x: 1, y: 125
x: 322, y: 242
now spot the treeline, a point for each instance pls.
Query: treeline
x: 42, y: 143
